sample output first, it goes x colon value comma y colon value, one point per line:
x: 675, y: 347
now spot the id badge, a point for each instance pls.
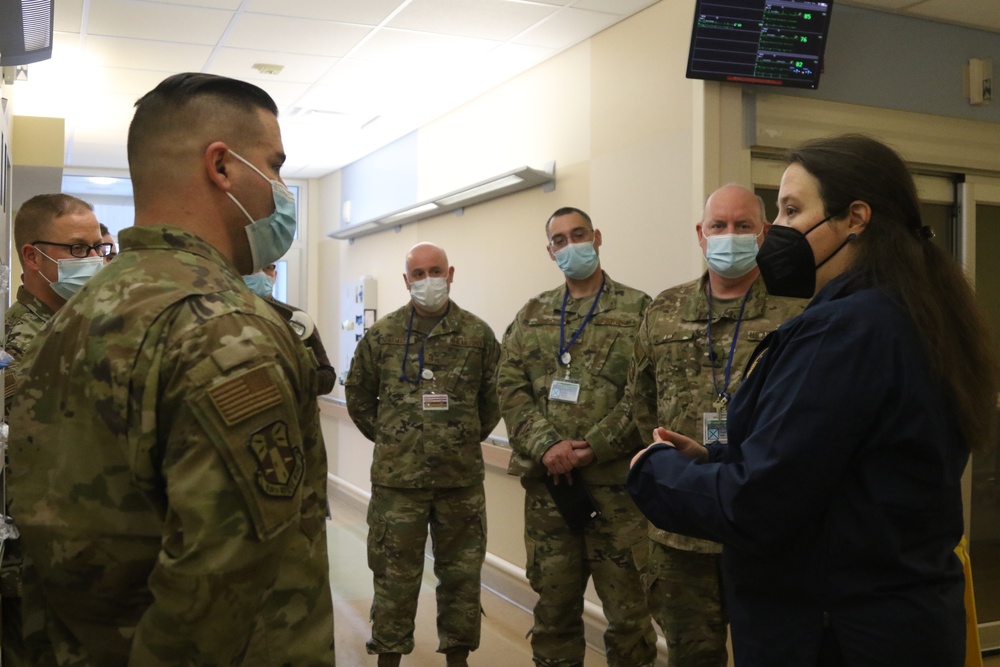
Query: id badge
x: 565, y: 391
x: 435, y: 401
x: 714, y: 428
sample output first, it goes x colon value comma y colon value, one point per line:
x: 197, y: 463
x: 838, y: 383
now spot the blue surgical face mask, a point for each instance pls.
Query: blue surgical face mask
x: 577, y: 260
x: 270, y: 237
x: 731, y: 255
x: 73, y: 273
x: 260, y: 284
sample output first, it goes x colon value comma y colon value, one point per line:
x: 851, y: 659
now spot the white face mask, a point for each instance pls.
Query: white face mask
x: 430, y: 293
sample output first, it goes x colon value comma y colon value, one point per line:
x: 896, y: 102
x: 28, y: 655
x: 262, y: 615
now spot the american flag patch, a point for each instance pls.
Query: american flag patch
x: 245, y: 396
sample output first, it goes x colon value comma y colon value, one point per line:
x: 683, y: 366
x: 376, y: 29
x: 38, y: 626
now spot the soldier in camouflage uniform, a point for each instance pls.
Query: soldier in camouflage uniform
x: 562, y: 385
x: 49, y: 230
x: 678, y: 375
x: 422, y: 388
x: 165, y: 441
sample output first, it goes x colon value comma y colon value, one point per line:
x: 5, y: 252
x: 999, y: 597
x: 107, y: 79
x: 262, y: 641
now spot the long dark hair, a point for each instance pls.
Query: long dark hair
x: 895, y: 253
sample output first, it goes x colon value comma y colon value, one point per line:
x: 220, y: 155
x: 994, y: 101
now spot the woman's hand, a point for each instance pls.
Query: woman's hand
x: 692, y: 449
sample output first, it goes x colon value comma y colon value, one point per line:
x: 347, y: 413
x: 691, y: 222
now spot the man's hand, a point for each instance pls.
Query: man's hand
x: 562, y: 457
x: 583, y: 452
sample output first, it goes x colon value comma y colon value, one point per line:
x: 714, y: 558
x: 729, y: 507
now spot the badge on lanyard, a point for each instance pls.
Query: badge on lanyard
x: 714, y: 428
x: 564, y: 391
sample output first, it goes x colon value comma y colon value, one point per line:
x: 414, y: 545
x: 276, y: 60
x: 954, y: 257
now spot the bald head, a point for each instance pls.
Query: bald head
x: 425, y: 256
x: 734, y: 204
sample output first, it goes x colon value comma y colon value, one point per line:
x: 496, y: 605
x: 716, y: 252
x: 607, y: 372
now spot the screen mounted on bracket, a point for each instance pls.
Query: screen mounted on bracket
x: 768, y: 42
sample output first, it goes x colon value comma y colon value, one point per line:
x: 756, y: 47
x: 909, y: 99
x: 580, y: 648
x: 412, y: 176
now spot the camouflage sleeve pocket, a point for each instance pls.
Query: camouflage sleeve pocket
x: 251, y: 418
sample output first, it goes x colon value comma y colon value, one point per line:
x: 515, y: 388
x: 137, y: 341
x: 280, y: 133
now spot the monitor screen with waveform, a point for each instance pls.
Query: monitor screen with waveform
x: 768, y: 42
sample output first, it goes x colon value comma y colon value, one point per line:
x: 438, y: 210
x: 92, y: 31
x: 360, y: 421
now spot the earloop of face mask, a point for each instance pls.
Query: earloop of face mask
x: 786, y: 261
x: 72, y: 273
x: 270, y: 237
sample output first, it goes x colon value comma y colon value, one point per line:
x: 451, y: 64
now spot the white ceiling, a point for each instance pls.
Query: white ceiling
x: 357, y: 74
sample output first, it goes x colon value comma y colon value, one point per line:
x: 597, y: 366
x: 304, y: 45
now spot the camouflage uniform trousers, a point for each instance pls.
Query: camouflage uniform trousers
x: 398, y: 520
x: 613, y: 549
x: 685, y: 597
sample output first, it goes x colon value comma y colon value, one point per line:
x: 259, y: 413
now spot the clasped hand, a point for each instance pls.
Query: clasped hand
x: 560, y: 459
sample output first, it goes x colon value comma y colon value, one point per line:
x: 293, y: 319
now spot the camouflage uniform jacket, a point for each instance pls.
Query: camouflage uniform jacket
x: 417, y: 448
x: 170, y: 469
x: 600, y: 359
x: 670, y: 379
x: 22, y: 323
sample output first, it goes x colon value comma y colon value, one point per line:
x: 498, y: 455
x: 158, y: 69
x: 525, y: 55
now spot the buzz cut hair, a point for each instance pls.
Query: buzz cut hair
x: 566, y: 210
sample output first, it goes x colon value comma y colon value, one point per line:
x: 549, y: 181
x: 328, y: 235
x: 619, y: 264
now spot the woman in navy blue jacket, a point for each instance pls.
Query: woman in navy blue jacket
x: 838, y: 499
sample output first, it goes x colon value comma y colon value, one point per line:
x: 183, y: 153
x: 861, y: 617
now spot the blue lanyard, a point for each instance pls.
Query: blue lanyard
x: 724, y: 394
x: 420, y: 352
x: 562, y: 322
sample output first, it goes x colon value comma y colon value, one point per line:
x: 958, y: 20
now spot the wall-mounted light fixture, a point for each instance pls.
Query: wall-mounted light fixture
x: 25, y: 31
x: 498, y: 186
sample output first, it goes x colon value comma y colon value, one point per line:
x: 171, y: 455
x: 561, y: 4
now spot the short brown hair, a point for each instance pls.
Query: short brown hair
x: 35, y: 215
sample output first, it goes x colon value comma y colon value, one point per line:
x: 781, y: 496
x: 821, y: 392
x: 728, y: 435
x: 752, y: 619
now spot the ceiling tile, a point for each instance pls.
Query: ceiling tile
x: 293, y: 35
x: 210, y: 4
x: 485, y: 19
x: 414, y: 49
x: 369, y: 12
x: 147, y: 55
x: 620, y: 7
x: 145, y: 20
x: 68, y: 16
x: 566, y: 28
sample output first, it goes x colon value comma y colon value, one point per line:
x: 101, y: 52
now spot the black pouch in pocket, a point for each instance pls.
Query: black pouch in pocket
x: 573, y: 501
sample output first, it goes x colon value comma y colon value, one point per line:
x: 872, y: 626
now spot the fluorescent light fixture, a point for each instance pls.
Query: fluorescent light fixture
x: 498, y: 186
x: 485, y: 188
x: 26, y: 31
x: 102, y: 180
x: 413, y: 211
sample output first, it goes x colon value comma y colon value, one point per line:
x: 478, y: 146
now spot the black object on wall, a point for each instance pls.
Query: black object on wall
x: 769, y: 42
x: 25, y: 31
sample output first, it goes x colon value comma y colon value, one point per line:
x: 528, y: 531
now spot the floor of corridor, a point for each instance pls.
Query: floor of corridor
x: 504, y: 625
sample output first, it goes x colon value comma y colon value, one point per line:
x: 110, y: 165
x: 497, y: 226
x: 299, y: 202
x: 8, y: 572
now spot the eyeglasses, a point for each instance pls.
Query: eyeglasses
x: 578, y: 235
x: 82, y: 250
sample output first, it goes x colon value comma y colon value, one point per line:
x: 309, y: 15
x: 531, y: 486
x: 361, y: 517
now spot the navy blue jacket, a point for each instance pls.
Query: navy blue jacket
x: 838, y: 500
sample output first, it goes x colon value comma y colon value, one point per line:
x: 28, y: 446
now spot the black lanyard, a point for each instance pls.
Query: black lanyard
x: 563, y: 348
x: 724, y: 394
x: 420, y: 353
